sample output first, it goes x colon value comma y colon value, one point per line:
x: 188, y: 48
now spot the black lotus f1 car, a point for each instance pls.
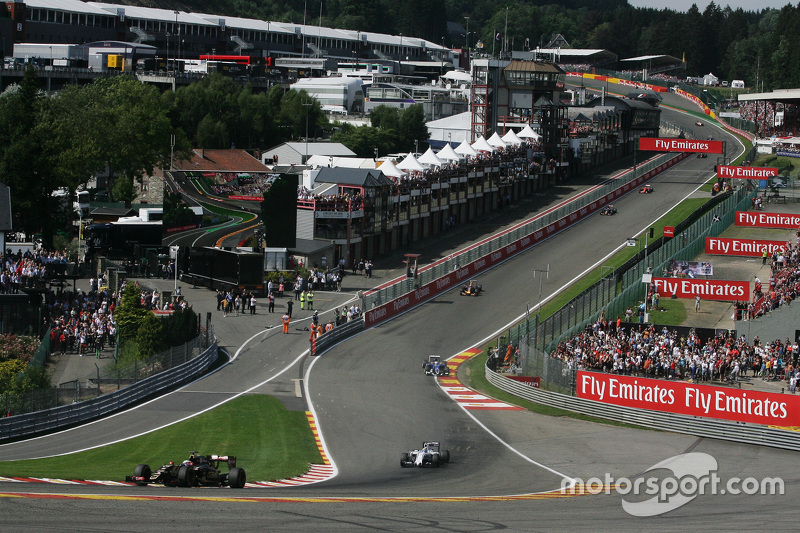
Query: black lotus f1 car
x: 428, y: 455
x: 198, y: 470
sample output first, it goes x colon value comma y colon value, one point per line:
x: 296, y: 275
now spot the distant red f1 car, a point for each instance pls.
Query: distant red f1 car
x: 647, y: 189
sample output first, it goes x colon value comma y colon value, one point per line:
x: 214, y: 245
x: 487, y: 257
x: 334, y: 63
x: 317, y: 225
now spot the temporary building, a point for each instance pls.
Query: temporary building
x: 465, y: 149
x: 430, y: 158
x: 390, y: 170
x: 448, y: 154
x: 496, y: 141
x: 511, y: 138
x: 410, y: 163
x: 481, y: 145
x: 528, y: 133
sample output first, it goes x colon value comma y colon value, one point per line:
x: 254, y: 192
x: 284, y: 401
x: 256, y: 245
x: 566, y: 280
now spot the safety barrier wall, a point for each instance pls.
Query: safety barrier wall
x: 329, y: 339
x: 30, y: 424
x: 702, y: 427
x: 446, y: 274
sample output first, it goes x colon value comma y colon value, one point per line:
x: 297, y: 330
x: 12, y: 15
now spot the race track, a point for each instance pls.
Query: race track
x: 372, y: 402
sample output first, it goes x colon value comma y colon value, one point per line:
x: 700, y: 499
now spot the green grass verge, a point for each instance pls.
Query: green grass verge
x: 671, y: 312
x: 268, y: 441
x: 246, y: 216
x: 681, y: 211
x: 471, y: 372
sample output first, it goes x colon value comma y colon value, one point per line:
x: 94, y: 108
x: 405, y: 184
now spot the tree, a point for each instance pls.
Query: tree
x: 130, y: 313
x: 412, y: 127
x: 150, y: 336
x: 180, y: 327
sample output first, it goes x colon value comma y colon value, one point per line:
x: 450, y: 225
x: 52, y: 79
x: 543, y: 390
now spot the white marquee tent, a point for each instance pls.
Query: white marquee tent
x: 430, y: 158
x: 496, y: 141
x: 410, y: 163
x: 448, y: 154
x: 465, y: 149
x: 482, y: 146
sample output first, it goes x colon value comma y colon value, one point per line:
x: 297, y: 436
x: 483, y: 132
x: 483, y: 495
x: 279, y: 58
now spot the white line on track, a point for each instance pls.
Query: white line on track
x: 310, y: 404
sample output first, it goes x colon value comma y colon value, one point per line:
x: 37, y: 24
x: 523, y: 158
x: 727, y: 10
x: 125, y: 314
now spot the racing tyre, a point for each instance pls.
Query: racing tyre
x: 237, y: 478
x: 143, y: 471
x: 435, y: 461
x: 404, y: 460
x: 185, y: 476
x: 445, y: 455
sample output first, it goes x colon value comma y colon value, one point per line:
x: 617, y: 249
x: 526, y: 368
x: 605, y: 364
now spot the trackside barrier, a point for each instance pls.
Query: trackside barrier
x: 329, y: 339
x: 498, y: 249
x: 30, y: 424
x: 759, y: 435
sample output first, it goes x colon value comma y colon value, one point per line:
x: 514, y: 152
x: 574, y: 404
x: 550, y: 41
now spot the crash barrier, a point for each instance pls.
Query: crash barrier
x: 445, y: 274
x: 757, y: 434
x: 30, y: 424
x: 329, y: 339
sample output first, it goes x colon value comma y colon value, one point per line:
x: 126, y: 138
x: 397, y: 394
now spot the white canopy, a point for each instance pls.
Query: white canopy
x: 528, y: 133
x: 465, y: 149
x: 410, y: 163
x: 448, y: 154
x: 457, y: 75
x: 511, y: 138
x: 390, y: 170
x: 430, y: 158
x: 481, y: 145
x: 496, y: 141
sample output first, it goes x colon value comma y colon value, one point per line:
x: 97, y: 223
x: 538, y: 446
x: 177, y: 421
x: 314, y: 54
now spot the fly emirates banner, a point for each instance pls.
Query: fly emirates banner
x: 706, y: 289
x: 742, y: 247
x: 652, y: 144
x: 690, y: 399
x: 760, y: 219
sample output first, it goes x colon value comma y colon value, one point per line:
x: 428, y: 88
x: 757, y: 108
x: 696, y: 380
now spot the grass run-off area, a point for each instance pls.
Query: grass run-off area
x: 245, y: 215
x: 268, y: 441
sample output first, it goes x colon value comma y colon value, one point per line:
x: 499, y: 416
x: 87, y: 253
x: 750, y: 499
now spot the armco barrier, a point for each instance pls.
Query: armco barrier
x: 336, y: 335
x: 60, y: 417
x: 701, y: 427
x: 498, y: 254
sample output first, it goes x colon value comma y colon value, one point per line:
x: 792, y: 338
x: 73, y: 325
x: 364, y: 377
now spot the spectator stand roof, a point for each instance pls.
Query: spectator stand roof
x: 768, y: 106
x: 568, y: 56
x: 653, y: 63
x: 356, y: 177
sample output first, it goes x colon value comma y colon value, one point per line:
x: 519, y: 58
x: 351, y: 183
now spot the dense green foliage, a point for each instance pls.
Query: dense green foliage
x: 392, y: 131
x: 16, y: 375
x: 130, y: 312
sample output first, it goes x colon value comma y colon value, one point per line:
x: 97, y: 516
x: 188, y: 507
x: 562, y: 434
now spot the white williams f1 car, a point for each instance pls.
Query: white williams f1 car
x: 428, y: 455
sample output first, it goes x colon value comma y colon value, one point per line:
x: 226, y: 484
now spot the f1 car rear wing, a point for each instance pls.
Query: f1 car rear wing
x: 230, y: 459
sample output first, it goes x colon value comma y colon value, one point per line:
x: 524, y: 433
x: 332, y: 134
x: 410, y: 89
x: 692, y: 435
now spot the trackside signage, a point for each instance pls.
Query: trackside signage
x: 462, y: 275
x: 742, y: 247
x: 767, y: 220
x: 746, y: 173
x: 691, y: 399
x: 707, y: 289
x: 680, y: 145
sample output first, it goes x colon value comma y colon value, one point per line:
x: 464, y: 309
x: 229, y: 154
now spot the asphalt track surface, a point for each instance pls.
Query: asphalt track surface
x: 372, y: 402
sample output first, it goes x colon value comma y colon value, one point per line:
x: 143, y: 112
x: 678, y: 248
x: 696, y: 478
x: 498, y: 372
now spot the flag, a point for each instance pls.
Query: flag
x: 497, y: 36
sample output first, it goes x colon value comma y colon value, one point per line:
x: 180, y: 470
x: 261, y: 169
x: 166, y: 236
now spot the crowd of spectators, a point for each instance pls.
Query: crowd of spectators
x: 23, y: 270
x: 231, y: 183
x: 606, y: 346
x: 84, y: 323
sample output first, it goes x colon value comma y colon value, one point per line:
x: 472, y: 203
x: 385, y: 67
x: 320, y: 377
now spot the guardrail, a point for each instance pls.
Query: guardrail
x: 31, y: 424
x: 336, y: 335
x: 701, y: 427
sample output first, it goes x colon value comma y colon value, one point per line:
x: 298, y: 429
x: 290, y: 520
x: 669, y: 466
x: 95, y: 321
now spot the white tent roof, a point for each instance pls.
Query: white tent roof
x: 410, y: 163
x: 448, y: 154
x: 465, y: 149
x: 457, y: 75
x: 389, y: 169
x: 495, y: 140
x: 481, y: 145
x: 528, y: 133
x: 430, y: 158
x: 511, y: 138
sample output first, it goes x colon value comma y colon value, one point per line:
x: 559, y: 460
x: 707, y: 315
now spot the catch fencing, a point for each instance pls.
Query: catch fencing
x: 108, y: 378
